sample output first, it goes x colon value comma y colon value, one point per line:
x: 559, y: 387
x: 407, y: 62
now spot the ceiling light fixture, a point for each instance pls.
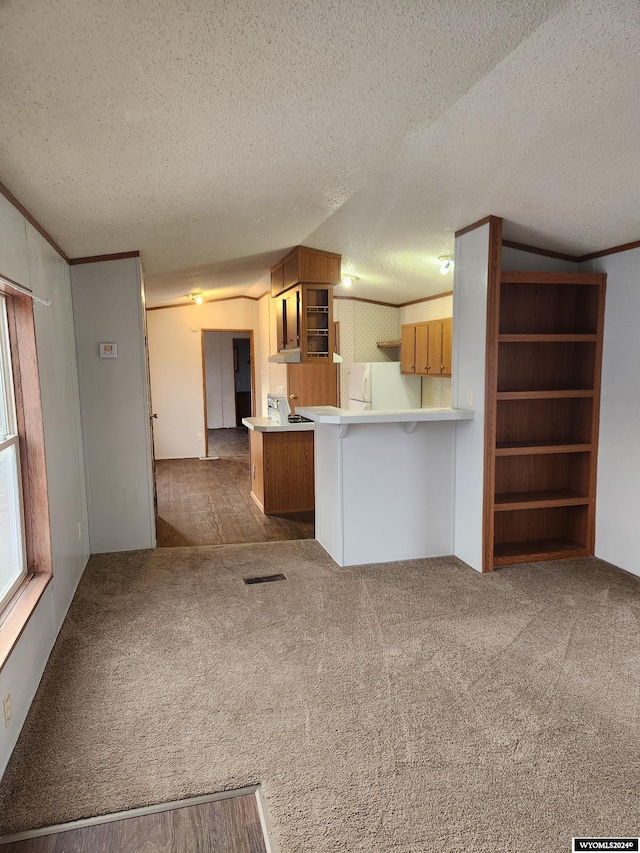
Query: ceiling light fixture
x: 446, y: 263
x: 349, y: 278
x: 196, y: 297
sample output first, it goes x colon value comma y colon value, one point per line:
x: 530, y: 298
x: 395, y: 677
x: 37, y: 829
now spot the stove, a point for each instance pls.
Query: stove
x: 279, y: 411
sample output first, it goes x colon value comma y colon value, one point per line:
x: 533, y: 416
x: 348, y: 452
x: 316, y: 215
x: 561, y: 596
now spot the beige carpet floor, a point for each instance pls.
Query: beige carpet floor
x: 406, y: 707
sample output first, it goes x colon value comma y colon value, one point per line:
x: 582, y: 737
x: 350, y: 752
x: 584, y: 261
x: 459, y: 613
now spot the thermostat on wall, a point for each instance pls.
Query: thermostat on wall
x: 108, y: 350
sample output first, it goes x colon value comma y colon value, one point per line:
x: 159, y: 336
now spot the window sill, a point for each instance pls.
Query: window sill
x: 16, y: 615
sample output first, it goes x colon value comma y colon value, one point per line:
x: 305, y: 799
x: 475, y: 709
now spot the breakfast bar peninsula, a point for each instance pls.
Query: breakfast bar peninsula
x: 384, y: 482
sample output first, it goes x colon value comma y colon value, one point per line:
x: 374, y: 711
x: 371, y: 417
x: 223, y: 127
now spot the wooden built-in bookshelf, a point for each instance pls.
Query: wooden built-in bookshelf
x: 543, y: 391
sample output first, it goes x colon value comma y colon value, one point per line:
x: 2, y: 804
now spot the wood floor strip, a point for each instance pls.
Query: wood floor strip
x: 228, y: 822
x: 208, y: 502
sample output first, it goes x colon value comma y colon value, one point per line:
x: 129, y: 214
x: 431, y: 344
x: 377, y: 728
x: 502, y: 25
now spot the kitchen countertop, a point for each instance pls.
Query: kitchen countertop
x: 266, y: 425
x: 333, y: 415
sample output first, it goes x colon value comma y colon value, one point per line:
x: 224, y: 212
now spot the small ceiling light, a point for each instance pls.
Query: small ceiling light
x: 349, y: 279
x: 196, y: 297
x: 446, y: 263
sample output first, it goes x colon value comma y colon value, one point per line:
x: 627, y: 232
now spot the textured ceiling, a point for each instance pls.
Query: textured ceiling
x: 212, y: 136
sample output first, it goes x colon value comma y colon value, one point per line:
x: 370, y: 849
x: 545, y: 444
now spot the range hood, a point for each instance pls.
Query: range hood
x: 292, y: 356
x: 286, y: 356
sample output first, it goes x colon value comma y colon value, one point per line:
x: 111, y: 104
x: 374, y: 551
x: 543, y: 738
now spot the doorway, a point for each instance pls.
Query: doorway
x: 229, y: 390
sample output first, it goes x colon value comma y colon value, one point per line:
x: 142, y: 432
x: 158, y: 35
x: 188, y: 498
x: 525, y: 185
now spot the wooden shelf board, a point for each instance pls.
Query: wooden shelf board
x: 546, y: 339
x: 541, y: 447
x: 388, y: 344
x: 539, y: 500
x: 543, y: 395
x: 526, y: 277
x: 507, y: 553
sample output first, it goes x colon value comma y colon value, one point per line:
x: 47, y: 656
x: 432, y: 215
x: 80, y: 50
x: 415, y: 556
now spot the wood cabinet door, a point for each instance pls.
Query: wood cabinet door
x: 312, y: 385
x: 422, y: 349
x: 277, y: 280
x: 318, y: 266
x: 408, y: 349
x: 280, y: 336
x: 291, y: 271
x: 447, y: 346
x: 291, y: 316
x: 434, y: 359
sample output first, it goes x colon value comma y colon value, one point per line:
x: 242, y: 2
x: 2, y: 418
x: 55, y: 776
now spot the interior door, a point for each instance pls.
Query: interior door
x: 311, y: 385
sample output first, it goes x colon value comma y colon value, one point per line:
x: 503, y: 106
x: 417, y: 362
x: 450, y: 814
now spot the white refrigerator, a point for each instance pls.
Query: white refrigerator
x: 380, y: 385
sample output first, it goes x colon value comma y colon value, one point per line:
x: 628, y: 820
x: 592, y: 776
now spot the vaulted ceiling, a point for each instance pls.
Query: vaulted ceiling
x: 212, y: 135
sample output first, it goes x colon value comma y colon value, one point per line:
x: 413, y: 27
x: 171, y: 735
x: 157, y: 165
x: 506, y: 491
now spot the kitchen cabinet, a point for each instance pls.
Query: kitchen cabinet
x: 425, y: 348
x: 304, y: 264
x: 282, y: 477
x: 304, y: 317
x: 543, y: 384
x: 408, y: 349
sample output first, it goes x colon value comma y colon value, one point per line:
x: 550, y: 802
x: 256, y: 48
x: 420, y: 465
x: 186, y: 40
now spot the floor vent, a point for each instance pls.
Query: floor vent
x: 265, y: 579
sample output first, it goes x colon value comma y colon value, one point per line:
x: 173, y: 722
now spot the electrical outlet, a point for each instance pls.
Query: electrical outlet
x: 199, y: 436
x: 79, y: 531
x: 8, y: 710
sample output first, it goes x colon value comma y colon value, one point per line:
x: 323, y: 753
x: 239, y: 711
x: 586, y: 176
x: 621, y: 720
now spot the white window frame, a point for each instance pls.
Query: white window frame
x: 11, y: 439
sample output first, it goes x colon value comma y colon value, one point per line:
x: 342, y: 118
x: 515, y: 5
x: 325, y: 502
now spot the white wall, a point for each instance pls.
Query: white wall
x: 108, y: 307
x: 516, y: 259
x: 262, y: 344
x: 55, y: 336
x: 175, y: 363
x: 220, y: 376
x: 618, y: 488
x: 362, y: 325
x: 468, y: 389
x: 26, y: 257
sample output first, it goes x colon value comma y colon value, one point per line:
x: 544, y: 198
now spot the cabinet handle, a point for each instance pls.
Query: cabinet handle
x: 293, y: 397
x: 254, y: 472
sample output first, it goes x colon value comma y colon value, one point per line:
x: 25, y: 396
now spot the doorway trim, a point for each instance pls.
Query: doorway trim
x: 252, y: 354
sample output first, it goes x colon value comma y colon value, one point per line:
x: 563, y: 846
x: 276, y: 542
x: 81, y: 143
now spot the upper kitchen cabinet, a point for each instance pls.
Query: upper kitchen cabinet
x: 302, y: 285
x: 426, y: 348
x: 304, y: 317
x: 303, y: 264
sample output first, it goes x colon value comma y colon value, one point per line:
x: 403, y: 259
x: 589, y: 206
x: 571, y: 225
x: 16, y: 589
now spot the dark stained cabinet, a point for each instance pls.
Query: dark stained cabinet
x: 282, y: 470
x: 544, y: 387
x: 290, y: 311
x: 304, y: 264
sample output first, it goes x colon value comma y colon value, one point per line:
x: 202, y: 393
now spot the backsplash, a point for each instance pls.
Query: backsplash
x: 436, y: 392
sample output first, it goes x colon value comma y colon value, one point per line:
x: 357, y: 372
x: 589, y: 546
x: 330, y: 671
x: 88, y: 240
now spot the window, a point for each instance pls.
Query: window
x: 13, y: 562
